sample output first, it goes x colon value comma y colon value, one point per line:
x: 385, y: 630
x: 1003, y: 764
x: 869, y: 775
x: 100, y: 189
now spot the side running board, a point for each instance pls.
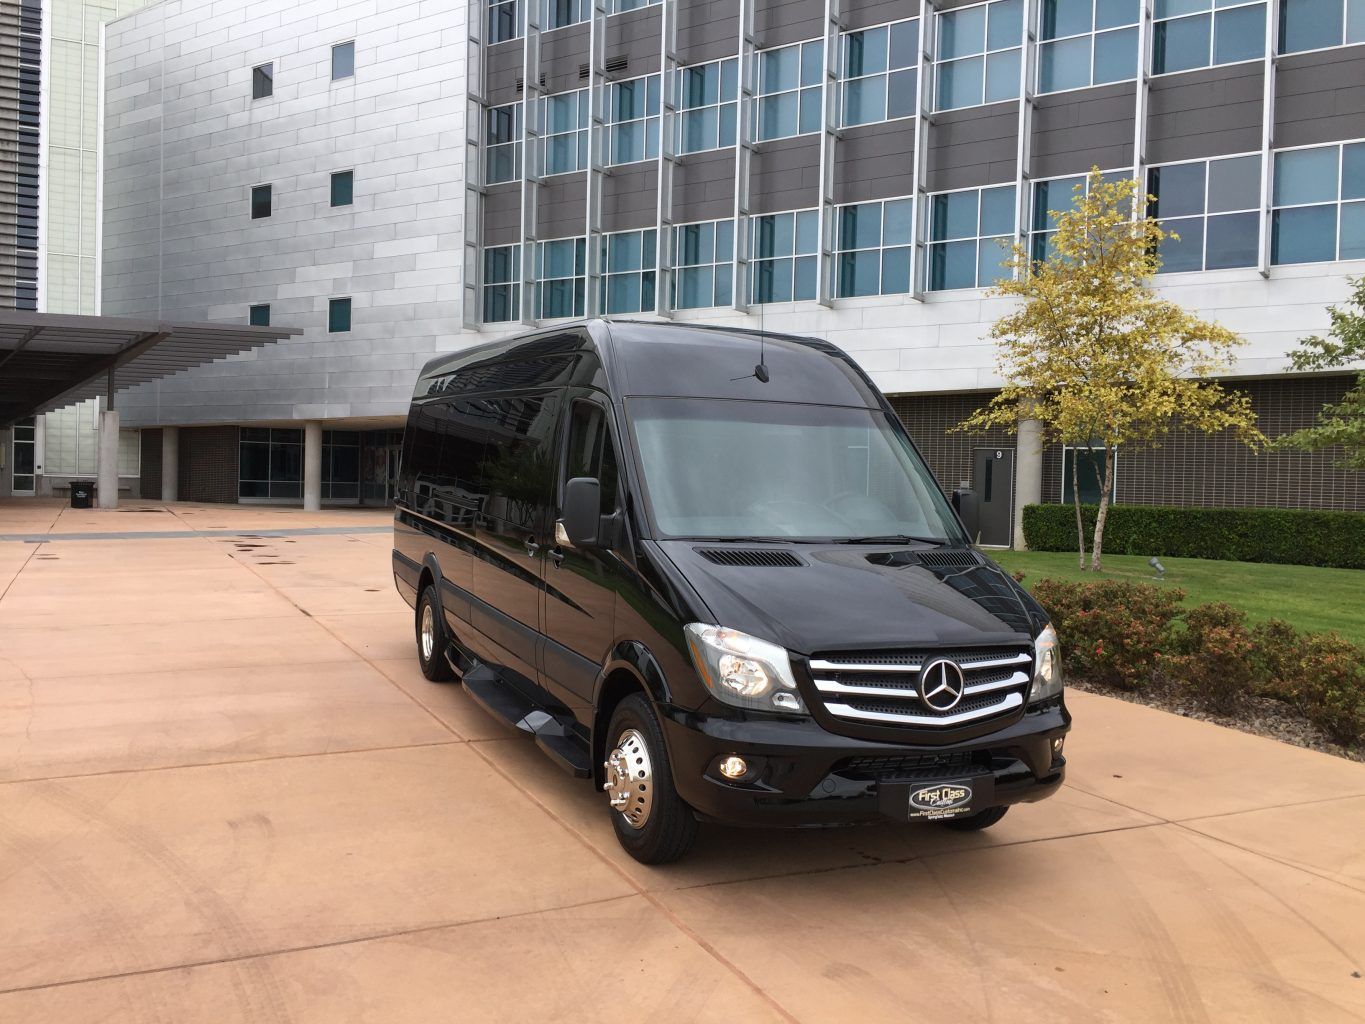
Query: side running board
x: 555, y: 737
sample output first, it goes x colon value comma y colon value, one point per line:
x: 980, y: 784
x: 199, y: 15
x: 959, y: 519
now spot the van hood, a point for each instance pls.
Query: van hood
x: 854, y: 596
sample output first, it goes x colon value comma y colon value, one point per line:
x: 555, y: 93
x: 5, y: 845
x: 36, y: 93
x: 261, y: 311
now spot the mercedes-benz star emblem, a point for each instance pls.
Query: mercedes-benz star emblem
x: 941, y: 684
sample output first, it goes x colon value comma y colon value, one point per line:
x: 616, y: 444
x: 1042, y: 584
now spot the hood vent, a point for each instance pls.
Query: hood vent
x: 948, y: 559
x: 767, y: 558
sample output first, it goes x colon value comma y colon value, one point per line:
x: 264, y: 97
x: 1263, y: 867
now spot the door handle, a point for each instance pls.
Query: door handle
x: 531, y: 549
x: 557, y: 557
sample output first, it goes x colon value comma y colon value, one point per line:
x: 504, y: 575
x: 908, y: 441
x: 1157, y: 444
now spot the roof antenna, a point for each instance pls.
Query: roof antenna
x: 761, y: 372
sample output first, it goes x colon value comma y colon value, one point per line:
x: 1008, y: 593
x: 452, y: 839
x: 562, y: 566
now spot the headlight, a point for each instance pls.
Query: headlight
x: 743, y: 670
x: 1047, y: 666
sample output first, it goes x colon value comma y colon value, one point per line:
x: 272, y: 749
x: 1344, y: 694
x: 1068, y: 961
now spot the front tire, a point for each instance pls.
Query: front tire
x: 978, y: 821
x: 431, y: 638
x: 652, y: 822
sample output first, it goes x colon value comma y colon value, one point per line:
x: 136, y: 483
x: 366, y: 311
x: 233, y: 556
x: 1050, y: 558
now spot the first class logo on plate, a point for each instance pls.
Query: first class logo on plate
x: 941, y: 797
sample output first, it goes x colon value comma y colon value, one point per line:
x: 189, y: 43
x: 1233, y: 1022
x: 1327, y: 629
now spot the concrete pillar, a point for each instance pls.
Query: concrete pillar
x: 1028, y: 474
x: 107, y: 476
x: 312, y: 466
x: 170, y: 463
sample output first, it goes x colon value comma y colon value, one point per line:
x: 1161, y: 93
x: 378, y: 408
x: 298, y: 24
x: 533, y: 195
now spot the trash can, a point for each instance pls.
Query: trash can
x: 82, y: 493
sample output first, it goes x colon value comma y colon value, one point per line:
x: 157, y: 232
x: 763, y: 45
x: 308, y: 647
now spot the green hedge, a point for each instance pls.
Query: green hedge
x: 1285, y: 536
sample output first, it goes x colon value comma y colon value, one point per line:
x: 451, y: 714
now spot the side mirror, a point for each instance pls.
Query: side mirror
x: 582, y: 513
x: 969, y: 511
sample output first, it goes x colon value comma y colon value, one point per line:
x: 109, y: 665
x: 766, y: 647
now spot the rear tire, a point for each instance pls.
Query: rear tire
x: 431, y: 638
x: 978, y: 821
x: 652, y: 822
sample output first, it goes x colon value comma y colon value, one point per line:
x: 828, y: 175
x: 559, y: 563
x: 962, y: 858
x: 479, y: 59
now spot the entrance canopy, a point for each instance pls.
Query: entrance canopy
x: 52, y: 360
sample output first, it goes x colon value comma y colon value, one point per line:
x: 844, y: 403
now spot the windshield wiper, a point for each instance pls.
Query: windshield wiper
x: 896, y: 538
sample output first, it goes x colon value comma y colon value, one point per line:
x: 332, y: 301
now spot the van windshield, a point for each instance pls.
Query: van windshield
x: 719, y: 469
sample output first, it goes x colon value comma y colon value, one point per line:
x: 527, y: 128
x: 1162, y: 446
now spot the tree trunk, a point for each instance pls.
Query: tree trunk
x: 1076, y: 501
x: 1097, y: 546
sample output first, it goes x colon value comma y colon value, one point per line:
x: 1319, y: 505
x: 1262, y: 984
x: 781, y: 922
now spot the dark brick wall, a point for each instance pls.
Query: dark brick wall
x: 151, y: 463
x: 928, y: 418
x: 1188, y: 468
x: 208, y: 464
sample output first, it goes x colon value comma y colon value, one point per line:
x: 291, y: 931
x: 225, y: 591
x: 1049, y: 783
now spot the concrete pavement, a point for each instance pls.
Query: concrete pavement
x: 227, y: 794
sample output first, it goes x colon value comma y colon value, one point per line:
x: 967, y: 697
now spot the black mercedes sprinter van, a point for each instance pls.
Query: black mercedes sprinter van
x: 708, y: 570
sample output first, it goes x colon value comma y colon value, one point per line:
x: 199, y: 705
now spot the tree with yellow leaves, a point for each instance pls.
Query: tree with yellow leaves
x: 1099, y: 359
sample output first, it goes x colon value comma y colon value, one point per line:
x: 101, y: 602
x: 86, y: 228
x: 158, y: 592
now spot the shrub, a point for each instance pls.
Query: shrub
x: 1274, y: 659
x: 1331, y: 685
x: 1211, y: 659
x: 1111, y: 631
x: 1284, y: 536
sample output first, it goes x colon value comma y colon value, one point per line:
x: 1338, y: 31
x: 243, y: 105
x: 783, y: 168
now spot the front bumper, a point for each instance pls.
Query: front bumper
x: 801, y: 775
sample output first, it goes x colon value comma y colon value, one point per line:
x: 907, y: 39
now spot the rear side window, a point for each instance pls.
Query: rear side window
x: 591, y: 452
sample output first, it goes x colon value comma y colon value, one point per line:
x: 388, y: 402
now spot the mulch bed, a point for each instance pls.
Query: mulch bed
x: 1262, y: 716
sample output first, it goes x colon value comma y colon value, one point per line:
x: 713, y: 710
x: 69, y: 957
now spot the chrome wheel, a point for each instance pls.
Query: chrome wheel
x: 427, y: 633
x: 630, y: 778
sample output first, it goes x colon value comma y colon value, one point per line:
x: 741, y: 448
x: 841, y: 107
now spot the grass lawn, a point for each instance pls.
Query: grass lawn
x: 1304, y: 596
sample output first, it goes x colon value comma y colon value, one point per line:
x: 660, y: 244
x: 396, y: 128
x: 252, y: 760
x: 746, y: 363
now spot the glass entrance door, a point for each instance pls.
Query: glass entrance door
x: 25, y: 454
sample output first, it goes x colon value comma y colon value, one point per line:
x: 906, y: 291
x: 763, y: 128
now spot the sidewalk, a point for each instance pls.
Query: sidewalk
x: 228, y: 795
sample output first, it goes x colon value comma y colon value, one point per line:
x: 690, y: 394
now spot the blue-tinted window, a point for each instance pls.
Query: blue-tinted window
x: 343, y: 188
x: 970, y: 233
x: 561, y: 268
x: 784, y: 248
x: 343, y: 60
x: 259, y: 316
x: 703, y: 266
x: 879, y: 73
x: 564, y: 126
x: 633, y: 120
x: 1319, y: 198
x: 501, y: 283
x: 338, y: 316
x: 260, y: 201
x: 1317, y: 24
x: 628, y: 278
x: 978, y: 54
x: 1210, y: 211
x: 504, y: 20
x: 707, y: 96
x: 1086, y: 42
x: 1189, y: 34
x: 873, y: 243
x: 788, y: 101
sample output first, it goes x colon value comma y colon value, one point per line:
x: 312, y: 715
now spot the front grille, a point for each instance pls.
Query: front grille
x: 883, y: 688
x: 917, y: 767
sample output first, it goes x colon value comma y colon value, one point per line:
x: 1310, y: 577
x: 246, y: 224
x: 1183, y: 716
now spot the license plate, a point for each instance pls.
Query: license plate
x: 943, y: 799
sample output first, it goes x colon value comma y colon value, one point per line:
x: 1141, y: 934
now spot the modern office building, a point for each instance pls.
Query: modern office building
x: 412, y: 179
x: 50, y: 100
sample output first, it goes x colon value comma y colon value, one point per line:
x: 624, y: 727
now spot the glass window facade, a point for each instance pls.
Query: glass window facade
x: 561, y: 269
x: 1087, y: 42
x: 343, y: 60
x: 707, y: 105
x: 504, y: 20
x: 627, y: 283
x: 559, y: 13
x: 502, y: 146
x: 338, y: 316
x: 878, y: 73
x: 874, y: 244
x: 977, y: 56
x: 565, y: 130
x: 1052, y: 197
x: 1318, y: 24
x: 1188, y: 34
x: 789, y: 91
x: 260, y: 201
x: 633, y: 120
x: 501, y: 284
x: 969, y: 236
x: 343, y: 188
x: 1213, y: 206
x: 270, y: 464
x: 262, y: 81
x: 621, y: 6
x: 784, y: 249
x: 703, y: 265
x: 1319, y: 204
x: 259, y: 315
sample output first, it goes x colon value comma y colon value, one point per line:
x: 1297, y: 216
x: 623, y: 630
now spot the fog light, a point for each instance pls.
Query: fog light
x: 786, y: 701
x: 1057, y: 747
x: 734, y: 767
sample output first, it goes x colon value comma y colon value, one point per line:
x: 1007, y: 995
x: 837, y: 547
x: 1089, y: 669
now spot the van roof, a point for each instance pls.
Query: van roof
x: 649, y: 357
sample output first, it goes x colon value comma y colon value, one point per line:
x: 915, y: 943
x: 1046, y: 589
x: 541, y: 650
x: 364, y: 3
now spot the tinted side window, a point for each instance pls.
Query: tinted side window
x: 591, y: 452
x: 516, y: 471
x: 421, y: 456
x: 462, y: 453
